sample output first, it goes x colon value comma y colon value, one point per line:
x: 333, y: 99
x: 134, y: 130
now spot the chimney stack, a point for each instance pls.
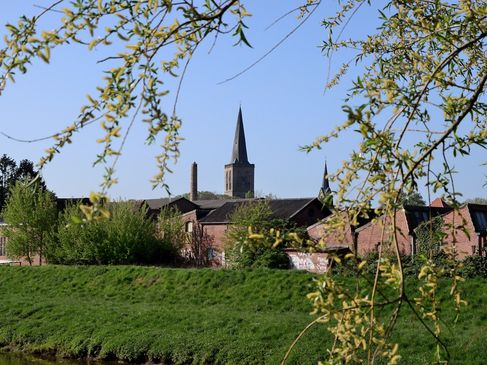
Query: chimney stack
x: 193, y: 189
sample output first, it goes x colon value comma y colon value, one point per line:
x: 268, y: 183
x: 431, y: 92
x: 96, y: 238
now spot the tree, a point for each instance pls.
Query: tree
x: 477, y: 200
x: 170, y: 229
x: 31, y: 217
x: 10, y: 173
x: 419, y: 97
x: 255, y: 238
x: 7, y: 174
x: 209, y: 195
x: 413, y: 198
x: 200, y: 245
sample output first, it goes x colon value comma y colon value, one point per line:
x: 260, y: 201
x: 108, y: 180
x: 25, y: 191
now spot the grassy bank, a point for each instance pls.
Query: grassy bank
x: 192, y: 316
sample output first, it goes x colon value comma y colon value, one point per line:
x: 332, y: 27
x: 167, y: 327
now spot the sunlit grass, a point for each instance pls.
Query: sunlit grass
x: 194, y: 316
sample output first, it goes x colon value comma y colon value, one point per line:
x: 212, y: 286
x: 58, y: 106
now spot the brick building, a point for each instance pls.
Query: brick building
x: 344, y: 237
x: 471, y: 218
x: 408, y: 218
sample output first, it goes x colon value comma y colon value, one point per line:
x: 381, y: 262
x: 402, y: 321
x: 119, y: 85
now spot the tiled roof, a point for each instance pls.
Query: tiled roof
x: 214, y: 203
x: 281, y: 208
x: 416, y: 214
x: 158, y: 203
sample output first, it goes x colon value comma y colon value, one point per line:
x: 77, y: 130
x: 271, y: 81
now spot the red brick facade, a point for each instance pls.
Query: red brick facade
x: 456, y: 224
x: 380, y: 230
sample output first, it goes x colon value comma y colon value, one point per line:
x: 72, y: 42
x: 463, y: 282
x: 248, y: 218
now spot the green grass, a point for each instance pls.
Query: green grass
x: 188, y: 316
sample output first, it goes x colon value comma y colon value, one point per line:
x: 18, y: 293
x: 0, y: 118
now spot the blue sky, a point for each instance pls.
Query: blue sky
x: 283, y: 102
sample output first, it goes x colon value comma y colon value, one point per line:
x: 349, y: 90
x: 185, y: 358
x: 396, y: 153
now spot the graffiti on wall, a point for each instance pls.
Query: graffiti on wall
x: 317, y: 262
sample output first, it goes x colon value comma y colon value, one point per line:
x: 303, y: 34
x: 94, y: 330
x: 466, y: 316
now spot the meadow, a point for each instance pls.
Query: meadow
x: 196, y: 316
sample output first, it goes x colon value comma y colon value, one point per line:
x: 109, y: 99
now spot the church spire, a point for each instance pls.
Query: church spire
x: 325, y: 187
x: 239, y: 153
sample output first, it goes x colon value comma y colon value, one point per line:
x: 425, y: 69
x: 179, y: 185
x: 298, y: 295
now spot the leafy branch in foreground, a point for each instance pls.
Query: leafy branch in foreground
x: 148, y: 41
x: 424, y: 69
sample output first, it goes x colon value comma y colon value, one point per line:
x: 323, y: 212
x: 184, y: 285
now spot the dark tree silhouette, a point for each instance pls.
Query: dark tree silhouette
x: 10, y: 173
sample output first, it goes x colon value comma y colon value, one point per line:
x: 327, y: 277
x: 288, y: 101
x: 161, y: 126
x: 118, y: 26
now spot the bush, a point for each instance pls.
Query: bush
x: 127, y: 237
x: 475, y: 266
x: 170, y: 229
x: 411, y: 264
x: 251, y: 238
x: 271, y: 259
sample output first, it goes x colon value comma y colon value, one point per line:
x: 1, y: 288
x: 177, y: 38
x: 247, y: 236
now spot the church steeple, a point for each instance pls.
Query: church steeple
x: 239, y: 152
x: 325, y: 191
x: 239, y: 173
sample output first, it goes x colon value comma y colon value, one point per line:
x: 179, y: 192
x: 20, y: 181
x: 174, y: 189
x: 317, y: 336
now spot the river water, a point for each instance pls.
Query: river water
x: 15, y: 359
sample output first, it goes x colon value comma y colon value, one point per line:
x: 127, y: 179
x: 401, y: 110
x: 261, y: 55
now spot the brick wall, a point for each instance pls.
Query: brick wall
x: 217, y: 231
x: 380, y: 230
x: 465, y: 245
x: 344, y: 237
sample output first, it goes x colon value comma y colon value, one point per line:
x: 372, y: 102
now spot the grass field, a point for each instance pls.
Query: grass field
x: 188, y: 316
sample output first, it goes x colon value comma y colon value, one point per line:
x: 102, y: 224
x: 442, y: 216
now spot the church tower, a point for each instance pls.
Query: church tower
x: 239, y: 173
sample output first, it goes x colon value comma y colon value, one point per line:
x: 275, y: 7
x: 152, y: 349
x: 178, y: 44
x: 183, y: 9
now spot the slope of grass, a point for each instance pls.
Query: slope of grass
x: 193, y: 316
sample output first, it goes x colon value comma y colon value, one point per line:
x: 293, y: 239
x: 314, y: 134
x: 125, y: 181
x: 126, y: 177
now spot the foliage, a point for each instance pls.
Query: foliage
x: 7, y: 175
x: 419, y: 97
x: 11, y: 173
x: 31, y: 217
x: 413, y: 198
x: 265, y: 258
x: 475, y: 266
x: 477, y: 200
x: 252, y: 233
x: 148, y: 41
x: 170, y: 229
x: 128, y: 236
x: 209, y: 195
x: 429, y: 237
x: 200, y: 246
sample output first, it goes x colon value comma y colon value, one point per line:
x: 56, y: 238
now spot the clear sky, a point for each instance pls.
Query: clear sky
x: 283, y: 102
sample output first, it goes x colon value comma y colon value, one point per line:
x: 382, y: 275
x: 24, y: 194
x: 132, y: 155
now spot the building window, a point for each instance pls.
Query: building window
x: 3, y: 244
x: 189, y: 227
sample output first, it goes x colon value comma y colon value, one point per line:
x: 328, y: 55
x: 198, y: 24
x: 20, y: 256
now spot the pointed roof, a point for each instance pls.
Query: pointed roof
x: 325, y: 187
x: 239, y: 152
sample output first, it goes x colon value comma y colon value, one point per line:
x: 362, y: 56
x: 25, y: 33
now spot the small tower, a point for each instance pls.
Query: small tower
x: 325, y: 191
x: 239, y: 173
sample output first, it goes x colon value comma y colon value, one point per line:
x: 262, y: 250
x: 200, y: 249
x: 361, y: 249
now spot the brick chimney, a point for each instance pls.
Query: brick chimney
x: 193, y: 189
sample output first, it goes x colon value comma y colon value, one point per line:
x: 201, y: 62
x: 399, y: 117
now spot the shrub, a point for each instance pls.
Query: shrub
x: 411, y: 264
x: 252, y: 236
x: 271, y: 259
x: 170, y: 229
x: 429, y: 237
x: 475, y: 266
x: 127, y: 237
